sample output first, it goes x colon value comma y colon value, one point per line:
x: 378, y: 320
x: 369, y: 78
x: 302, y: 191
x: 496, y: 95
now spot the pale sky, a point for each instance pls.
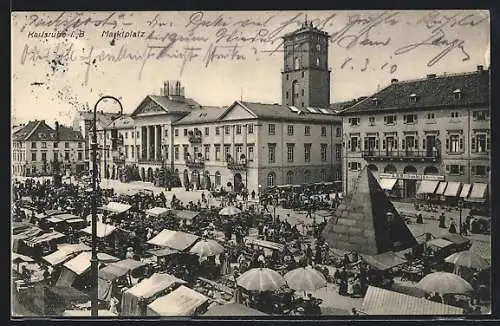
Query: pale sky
x: 53, y: 77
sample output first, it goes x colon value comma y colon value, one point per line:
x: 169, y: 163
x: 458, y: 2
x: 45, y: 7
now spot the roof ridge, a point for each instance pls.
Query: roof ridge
x: 444, y: 75
x: 38, y: 122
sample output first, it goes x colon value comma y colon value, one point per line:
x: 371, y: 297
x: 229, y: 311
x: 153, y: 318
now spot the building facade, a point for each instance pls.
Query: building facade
x: 36, y: 147
x: 435, y: 128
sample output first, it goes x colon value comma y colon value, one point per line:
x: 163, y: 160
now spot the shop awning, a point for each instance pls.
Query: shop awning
x: 439, y: 243
x: 186, y: 215
x: 233, y: 309
x: 54, y: 220
x: 116, y: 208
x: 181, y: 302
x: 427, y: 187
x: 181, y: 241
x: 120, y: 268
x: 387, y: 184
x: 103, y: 230
x: 81, y: 263
x: 46, y: 237
x: 162, y: 238
x: 379, y: 301
x: 478, y: 192
x: 266, y: 244
x: 452, y: 189
x: 153, y: 285
x: 441, y: 188
x: 157, y: 211
x: 65, y: 252
x: 384, y: 261
x: 465, y: 190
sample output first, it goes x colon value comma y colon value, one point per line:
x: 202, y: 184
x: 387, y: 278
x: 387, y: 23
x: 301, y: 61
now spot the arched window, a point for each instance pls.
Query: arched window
x: 271, y: 178
x: 296, y: 63
x: 317, y: 61
x: 289, y: 177
x: 217, y: 179
x: 307, y: 176
x: 390, y: 169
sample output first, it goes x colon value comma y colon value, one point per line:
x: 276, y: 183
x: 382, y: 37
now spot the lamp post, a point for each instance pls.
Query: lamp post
x: 94, y: 260
x: 460, y: 206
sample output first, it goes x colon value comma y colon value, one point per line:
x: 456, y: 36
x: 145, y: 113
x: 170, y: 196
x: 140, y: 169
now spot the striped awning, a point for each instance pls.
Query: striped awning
x: 465, y: 190
x: 452, y: 189
x: 387, y: 184
x: 478, y: 191
x: 441, y: 188
x: 427, y: 187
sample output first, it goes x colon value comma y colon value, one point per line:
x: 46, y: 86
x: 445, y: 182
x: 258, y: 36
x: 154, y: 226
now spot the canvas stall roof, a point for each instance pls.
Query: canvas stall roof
x: 186, y: 215
x: 103, y: 230
x: 379, y: 301
x: 456, y: 239
x: 54, y: 219
x: 66, y: 217
x: 116, y: 208
x: 162, y: 252
x: 465, y: 190
x: 181, y: 302
x: 75, y: 220
x: 31, y: 232
x: 481, y: 248
x: 81, y: 263
x: 86, y: 313
x: 452, y: 189
x: 384, y: 261
x: 233, y: 309
x: 21, y: 258
x: 441, y: 188
x: 157, y: 211
x: 54, y: 212
x: 46, y: 237
x: 155, y: 284
x: 65, y: 252
x: 161, y: 238
x: 181, y: 240
x: 266, y: 244
x: 387, y: 184
x: 120, y: 268
x: 427, y: 187
x: 19, y: 227
x: 478, y: 191
x: 366, y: 221
x: 439, y: 243
x: 68, y: 293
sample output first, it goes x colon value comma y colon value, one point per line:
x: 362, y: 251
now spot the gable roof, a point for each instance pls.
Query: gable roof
x: 280, y: 112
x: 123, y: 122
x: 203, y: 115
x: 26, y: 130
x: 339, y: 106
x: 360, y: 222
x: 38, y: 130
x: 68, y: 134
x: 168, y: 104
x: 438, y: 91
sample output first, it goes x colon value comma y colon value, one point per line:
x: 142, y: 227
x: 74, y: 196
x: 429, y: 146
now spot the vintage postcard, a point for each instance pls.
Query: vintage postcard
x: 255, y: 163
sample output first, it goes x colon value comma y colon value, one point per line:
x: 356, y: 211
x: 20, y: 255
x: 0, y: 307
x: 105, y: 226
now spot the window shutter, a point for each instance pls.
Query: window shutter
x: 461, y: 169
x: 461, y: 143
x: 447, y: 144
x: 488, y: 143
x: 447, y: 168
x: 359, y: 144
x: 423, y: 143
x: 348, y: 143
x: 366, y: 144
x: 403, y: 143
x: 383, y: 144
x: 396, y: 143
x: 376, y: 144
x: 473, y: 144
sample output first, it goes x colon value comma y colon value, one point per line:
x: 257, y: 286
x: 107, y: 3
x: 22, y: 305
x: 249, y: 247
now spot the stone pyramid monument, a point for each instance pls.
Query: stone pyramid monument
x: 367, y: 222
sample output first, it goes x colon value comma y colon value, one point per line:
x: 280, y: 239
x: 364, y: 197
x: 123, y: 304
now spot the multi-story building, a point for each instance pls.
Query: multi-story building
x: 248, y: 144
x: 436, y: 129
x: 36, y: 146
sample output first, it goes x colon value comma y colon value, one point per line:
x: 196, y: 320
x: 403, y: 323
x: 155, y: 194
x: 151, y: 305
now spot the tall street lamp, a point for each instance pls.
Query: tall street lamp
x: 94, y: 261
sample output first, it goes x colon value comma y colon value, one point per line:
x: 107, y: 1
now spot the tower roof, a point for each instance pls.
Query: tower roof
x: 361, y: 222
x: 307, y: 27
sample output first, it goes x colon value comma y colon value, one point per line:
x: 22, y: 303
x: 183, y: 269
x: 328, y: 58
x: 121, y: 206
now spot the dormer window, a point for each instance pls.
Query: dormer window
x: 458, y: 94
x: 413, y: 98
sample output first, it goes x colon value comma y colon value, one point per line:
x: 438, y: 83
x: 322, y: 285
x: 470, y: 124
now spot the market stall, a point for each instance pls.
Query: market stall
x: 64, y: 252
x: 157, y: 211
x: 136, y: 299
x: 118, y: 274
x: 181, y: 302
x: 43, y: 244
x: 187, y: 216
x: 162, y: 238
x: 116, y: 208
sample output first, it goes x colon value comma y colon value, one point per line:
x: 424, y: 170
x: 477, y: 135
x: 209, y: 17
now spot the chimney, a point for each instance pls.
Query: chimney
x: 394, y: 80
x: 57, y: 126
x: 480, y: 68
x: 166, y: 89
x: 430, y: 76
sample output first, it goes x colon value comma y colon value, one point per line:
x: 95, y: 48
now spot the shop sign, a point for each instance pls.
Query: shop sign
x: 406, y: 176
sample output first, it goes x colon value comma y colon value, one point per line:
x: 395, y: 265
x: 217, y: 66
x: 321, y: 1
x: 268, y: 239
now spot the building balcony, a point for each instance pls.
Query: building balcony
x: 195, y: 163
x: 401, y: 156
x: 194, y: 139
x: 237, y: 166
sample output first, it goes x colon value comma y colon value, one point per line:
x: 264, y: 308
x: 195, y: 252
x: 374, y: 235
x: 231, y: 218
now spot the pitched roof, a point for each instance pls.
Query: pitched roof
x: 267, y: 111
x: 339, y: 106
x: 360, y: 222
x: 438, y: 91
x: 40, y: 131
x: 184, y: 105
x: 68, y: 134
x: 26, y: 130
x: 203, y: 115
x: 123, y: 122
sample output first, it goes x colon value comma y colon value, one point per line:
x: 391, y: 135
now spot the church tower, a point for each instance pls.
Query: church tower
x: 305, y: 80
